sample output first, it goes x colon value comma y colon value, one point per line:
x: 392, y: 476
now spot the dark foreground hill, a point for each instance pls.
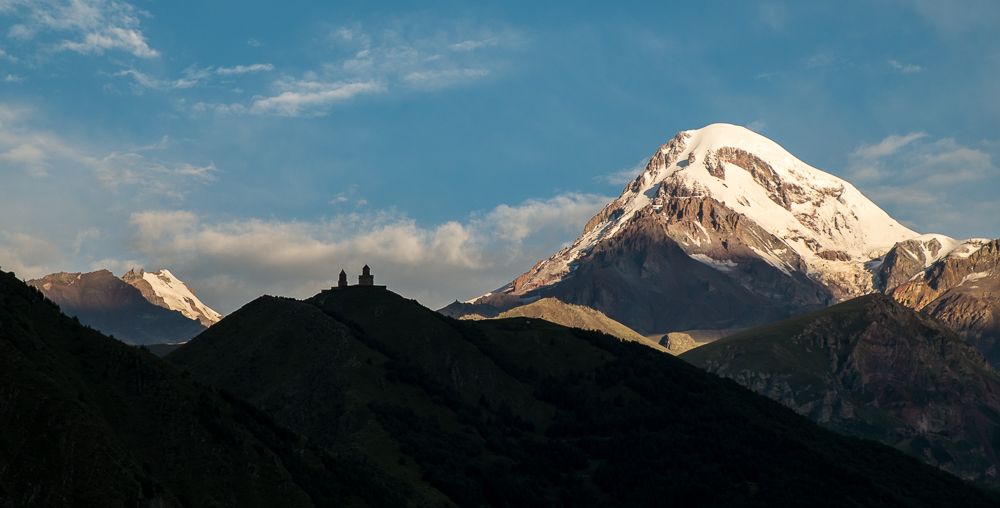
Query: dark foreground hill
x: 872, y: 367
x: 523, y: 412
x: 86, y: 420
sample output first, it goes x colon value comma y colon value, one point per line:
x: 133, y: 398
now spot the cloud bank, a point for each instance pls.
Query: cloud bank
x: 232, y: 262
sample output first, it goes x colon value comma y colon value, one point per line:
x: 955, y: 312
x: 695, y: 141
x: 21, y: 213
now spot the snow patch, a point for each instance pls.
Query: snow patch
x: 177, y: 296
x: 723, y: 265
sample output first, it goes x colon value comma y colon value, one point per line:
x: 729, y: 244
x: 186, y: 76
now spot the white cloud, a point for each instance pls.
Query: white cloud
x: 774, y: 15
x: 29, y: 256
x: 144, y: 81
x: 932, y: 186
x: 905, y: 69
x: 756, y: 126
x: 471, y: 45
x: 818, y: 61
x: 29, y: 156
x: 957, y: 17
x: 441, y: 79
x: 311, y: 97
x: 624, y: 175
x: 233, y: 262
x: 12, y: 78
x: 243, y: 69
x: 93, y: 26
x: 41, y: 153
x: 360, y: 63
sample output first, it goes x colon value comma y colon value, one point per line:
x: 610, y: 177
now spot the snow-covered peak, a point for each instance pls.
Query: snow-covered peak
x: 819, y: 220
x: 812, y: 210
x: 163, y: 289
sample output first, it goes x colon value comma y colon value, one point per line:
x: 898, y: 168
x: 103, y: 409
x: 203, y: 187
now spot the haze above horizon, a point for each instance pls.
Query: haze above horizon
x: 255, y: 149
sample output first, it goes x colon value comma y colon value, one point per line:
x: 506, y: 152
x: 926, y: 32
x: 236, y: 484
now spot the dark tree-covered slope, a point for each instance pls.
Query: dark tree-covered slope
x: 86, y: 420
x: 523, y: 412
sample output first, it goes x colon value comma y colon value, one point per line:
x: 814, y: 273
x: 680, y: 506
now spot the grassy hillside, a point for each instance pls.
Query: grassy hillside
x: 86, y: 420
x: 524, y: 412
x: 873, y: 368
x: 577, y: 316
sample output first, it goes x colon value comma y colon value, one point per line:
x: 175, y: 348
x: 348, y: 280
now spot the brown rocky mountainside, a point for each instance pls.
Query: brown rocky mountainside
x: 963, y: 291
x: 643, y: 279
x: 106, y: 303
x: 874, y: 368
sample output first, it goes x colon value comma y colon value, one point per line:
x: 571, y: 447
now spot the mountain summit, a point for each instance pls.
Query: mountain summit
x: 723, y: 229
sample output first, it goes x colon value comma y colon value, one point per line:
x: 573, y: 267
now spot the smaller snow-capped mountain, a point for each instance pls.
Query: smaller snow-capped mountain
x: 161, y: 288
x: 107, y: 303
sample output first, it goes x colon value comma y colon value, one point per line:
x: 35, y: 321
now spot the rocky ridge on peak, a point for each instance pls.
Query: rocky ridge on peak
x: 962, y: 289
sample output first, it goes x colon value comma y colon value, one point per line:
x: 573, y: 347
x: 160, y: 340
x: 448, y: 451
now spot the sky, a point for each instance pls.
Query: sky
x: 261, y: 147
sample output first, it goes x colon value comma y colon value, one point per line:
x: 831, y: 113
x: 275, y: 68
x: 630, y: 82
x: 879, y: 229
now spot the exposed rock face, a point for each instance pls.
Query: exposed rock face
x: 874, y: 368
x: 105, y: 302
x: 961, y: 289
x: 777, y: 238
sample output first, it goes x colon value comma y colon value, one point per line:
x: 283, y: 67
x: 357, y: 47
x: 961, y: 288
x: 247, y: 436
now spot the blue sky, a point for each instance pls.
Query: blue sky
x: 257, y: 147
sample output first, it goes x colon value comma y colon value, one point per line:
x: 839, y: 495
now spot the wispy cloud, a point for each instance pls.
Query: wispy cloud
x: 90, y: 26
x: 396, y: 58
x: 145, y: 81
x: 41, y: 154
x: 311, y: 97
x: 243, y: 69
x: 926, y: 183
x: 624, y: 175
x: 471, y: 45
x: 905, y: 69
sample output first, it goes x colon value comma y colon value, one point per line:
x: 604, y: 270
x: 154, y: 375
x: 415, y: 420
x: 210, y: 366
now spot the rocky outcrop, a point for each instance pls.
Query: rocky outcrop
x: 962, y: 290
x: 874, y: 368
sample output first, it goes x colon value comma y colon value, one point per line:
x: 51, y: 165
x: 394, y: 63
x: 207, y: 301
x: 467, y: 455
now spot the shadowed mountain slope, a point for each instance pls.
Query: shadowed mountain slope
x: 874, y: 368
x: 86, y: 420
x: 524, y: 412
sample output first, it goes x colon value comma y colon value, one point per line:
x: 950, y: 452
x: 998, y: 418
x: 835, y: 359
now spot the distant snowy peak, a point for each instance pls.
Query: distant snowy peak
x: 163, y: 289
x: 804, y: 219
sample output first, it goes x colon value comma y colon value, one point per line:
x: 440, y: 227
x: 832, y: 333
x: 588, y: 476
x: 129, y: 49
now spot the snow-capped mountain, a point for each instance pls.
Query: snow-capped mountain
x: 163, y: 289
x: 109, y: 304
x: 773, y: 237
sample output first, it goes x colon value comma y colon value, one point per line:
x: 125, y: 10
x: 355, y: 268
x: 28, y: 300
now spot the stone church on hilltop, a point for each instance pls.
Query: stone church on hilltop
x: 366, y: 279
